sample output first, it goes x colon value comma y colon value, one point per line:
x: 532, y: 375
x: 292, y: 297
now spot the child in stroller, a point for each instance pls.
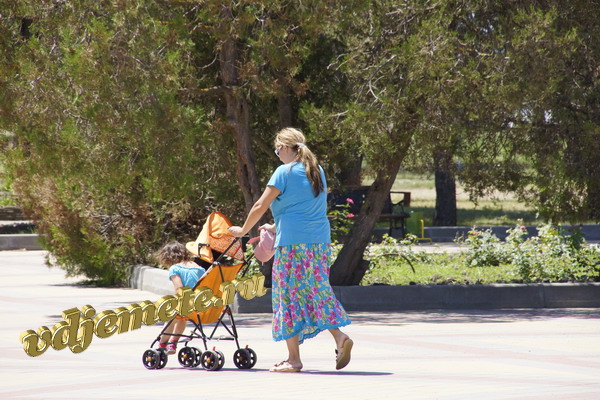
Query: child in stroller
x: 223, y: 257
x: 182, y: 272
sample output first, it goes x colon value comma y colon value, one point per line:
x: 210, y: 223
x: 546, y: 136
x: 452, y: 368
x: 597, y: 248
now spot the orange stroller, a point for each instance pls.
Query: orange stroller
x: 214, y: 248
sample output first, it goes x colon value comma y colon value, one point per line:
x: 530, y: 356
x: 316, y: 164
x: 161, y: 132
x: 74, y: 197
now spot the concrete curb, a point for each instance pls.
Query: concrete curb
x: 20, y: 241
x: 418, y: 297
x: 150, y: 279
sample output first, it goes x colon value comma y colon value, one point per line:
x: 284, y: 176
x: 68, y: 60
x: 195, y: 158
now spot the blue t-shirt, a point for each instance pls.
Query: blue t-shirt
x: 189, y: 275
x: 300, y: 217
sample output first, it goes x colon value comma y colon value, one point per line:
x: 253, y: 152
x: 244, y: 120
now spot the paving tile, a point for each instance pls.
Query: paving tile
x: 467, y: 354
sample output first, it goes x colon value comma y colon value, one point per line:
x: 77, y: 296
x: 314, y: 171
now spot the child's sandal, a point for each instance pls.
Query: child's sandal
x: 171, y: 348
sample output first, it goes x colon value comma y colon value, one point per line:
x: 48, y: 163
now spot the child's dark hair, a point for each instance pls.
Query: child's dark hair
x: 172, y: 253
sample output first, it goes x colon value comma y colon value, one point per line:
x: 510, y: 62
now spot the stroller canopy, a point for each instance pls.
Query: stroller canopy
x: 215, y: 236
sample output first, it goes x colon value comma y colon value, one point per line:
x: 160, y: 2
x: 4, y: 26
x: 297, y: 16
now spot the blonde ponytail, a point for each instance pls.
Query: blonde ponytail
x: 294, y: 139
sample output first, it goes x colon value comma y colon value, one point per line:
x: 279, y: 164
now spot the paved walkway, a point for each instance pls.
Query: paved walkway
x: 516, y: 354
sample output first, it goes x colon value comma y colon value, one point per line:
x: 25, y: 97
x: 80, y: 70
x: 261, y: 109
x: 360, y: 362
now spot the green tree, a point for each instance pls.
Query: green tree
x: 104, y: 156
x: 124, y: 119
x: 140, y: 109
x: 431, y: 74
x: 546, y: 146
x: 262, y: 49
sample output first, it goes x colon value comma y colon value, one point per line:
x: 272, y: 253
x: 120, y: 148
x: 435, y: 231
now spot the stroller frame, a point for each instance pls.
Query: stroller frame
x: 192, y: 357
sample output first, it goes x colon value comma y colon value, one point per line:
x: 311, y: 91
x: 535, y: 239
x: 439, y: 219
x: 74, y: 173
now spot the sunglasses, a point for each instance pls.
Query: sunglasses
x: 277, y: 150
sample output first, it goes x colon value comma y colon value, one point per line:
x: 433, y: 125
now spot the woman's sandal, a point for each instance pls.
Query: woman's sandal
x: 284, y: 366
x: 343, y: 354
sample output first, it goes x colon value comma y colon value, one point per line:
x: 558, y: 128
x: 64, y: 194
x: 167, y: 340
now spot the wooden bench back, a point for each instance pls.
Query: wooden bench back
x: 358, y: 195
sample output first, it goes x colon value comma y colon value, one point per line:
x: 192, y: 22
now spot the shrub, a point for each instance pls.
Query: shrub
x: 389, y: 257
x: 552, y: 256
x: 103, y: 154
x: 485, y: 249
x: 341, y: 221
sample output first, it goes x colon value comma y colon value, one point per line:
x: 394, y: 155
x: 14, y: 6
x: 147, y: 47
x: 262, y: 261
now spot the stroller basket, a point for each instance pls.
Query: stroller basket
x: 213, y: 245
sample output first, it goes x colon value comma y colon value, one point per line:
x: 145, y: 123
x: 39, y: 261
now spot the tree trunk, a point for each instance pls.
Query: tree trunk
x: 284, y: 103
x: 445, y: 190
x: 349, y: 267
x: 238, y: 118
x: 351, y: 172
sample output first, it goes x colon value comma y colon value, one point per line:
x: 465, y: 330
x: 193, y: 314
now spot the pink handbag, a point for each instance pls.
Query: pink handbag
x: 265, y: 249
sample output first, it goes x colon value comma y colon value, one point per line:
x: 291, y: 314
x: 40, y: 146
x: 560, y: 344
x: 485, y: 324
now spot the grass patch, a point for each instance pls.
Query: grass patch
x: 488, y: 215
x: 451, y: 269
x: 551, y: 256
x: 439, y: 269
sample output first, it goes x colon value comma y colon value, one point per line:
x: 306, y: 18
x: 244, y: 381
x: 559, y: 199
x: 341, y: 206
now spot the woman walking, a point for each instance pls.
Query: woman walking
x: 303, y: 301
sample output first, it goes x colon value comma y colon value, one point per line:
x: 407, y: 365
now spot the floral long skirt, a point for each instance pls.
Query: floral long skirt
x: 303, y: 301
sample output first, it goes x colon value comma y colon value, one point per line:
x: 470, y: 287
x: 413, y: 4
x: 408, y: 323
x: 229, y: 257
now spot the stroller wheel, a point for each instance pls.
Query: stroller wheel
x: 221, y: 357
x: 253, y: 357
x: 210, y: 360
x: 244, y: 358
x: 163, y: 359
x: 151, y: 359
x: 186, y: 357
x: 197, y: 356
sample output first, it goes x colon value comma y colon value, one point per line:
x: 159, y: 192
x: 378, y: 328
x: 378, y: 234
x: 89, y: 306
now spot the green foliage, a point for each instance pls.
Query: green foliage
x: 389, y: 257
x: 440, y: 269
x: 538, y: 143
x: 485, y: 249
x: 527, y: 264
x: 253, y: 263
x: 104, y: 156
x: 551, y: 256
x: 341, y: 221
x: 113, y: 139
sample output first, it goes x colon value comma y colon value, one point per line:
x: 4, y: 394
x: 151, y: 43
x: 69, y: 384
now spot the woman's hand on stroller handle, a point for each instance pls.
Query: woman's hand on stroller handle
x: 236, y: 231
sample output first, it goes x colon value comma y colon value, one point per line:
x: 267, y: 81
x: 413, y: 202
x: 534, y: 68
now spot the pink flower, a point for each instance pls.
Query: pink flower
x: 350, y: 215
x: 287, y: 319
x: 318, y: 314
x: 349, y: 200
x: 523, y: 228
